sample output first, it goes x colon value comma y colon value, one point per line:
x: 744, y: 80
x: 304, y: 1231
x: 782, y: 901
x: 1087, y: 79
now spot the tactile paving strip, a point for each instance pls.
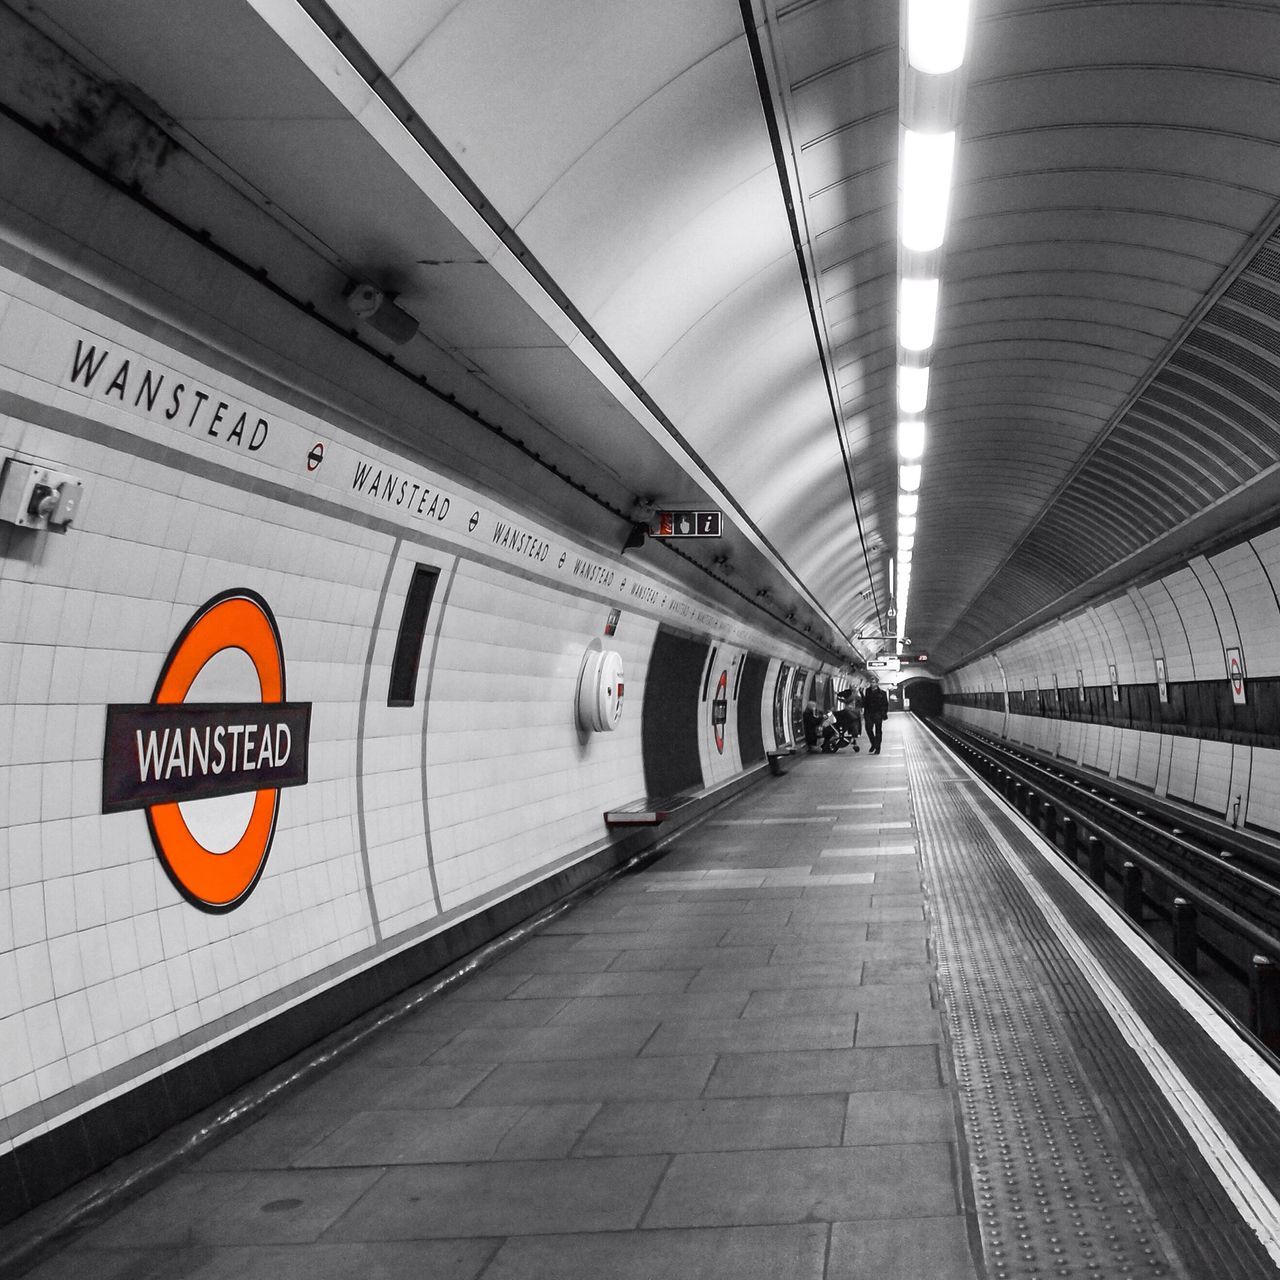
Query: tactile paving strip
x: 1055, y: 1195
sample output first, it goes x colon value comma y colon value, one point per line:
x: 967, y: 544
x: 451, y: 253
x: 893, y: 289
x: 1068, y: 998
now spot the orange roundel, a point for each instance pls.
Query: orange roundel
x: 220, y: 881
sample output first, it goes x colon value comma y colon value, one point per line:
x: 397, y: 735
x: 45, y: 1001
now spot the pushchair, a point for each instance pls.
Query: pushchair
x: 841, y: 729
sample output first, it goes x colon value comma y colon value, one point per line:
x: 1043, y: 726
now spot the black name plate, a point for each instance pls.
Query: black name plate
x: 160, y: 753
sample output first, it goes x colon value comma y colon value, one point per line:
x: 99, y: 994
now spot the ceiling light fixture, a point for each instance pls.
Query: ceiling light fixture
x: 906, y: 526
x: 910, y: 441
x: 926, y: 187
x: 937, y: 31
x: 909, y: 478
x: 913, y: 389
x: 917, y: 312
x: 908, y: 504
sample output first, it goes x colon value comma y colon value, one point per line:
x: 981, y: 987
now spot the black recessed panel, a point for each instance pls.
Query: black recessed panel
x: 750, y: 707
x: 669, y: 722
x: 413, y: 630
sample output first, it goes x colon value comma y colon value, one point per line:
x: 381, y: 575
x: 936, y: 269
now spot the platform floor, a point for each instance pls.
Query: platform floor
x: 857, y: 1024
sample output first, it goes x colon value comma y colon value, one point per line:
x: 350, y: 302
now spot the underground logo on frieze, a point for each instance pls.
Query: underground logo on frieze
x: 208, y: 756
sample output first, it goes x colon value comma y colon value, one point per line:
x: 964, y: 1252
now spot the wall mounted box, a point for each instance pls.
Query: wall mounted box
x: 35, y: 496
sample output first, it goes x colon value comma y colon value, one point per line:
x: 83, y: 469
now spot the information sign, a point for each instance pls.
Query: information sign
x: 687, y: 524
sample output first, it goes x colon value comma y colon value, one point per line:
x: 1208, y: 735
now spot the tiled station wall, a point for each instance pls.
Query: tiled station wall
x: 120, y: 998
x: 1141, y: 687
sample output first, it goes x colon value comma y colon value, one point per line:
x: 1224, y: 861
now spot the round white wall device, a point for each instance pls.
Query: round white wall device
x: 600, y: 691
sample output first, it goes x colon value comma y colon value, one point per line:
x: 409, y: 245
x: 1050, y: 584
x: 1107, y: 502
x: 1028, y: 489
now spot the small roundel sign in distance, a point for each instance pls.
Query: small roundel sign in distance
x: 161, y: 754
x: 720, y: 710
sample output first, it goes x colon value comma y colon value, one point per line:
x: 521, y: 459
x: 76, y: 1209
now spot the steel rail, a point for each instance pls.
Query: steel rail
x: 1196, y: 853
x: 1258, y: 938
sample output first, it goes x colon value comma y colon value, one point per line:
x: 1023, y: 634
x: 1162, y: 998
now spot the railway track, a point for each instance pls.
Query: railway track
x: 1205, y: 892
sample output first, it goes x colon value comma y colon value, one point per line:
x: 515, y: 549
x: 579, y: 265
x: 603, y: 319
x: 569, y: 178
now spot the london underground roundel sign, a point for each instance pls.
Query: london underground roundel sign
x: 720, y: 710
x: 163, y: 754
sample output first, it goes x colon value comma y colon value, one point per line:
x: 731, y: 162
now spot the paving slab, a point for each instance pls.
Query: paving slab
x: 261, y: 1207
x: 896, y: 951
x: 692, y: 958
x: 602, y: 1079
x: 901, y: 1249
x: 429, y: 1136
x: 273, y: 1142
x: 825, y: 1071
x: 612, y: 983
x: 891, y: 1025
x: 394, y: 1260
x: 734, y: 1253
x: 651, y: 913
x: 483, y: 1013
x: 898, y: 929
x: 779, y: 977
x: 408, y: 1048
x: 503, y: 1198
x: 665, y: 1008
x: 558, y: 961
x: 895, y: 973
x: 533, y: 1044
x: 353, y: 1086
x: 831, y: 1001
x: 704, y: 932
x: 877, y: 1117
x: 754, y: 1035
x: 804, y: 929
x: 710, y: 1124
x: 817, y: 1184
x: 547, y: 1132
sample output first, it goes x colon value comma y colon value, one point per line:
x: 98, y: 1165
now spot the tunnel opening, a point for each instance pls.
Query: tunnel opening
x: 923, y: 696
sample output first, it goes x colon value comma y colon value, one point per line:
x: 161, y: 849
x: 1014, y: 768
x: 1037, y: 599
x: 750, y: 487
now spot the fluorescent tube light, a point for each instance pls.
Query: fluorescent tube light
x: 936, y: 34
x: 926, y: 187
x: 908, y: 503
x: 906, y: 526
x: 909, y: 478
x: 913, y: 389
x: 910, y: 441
x: 905, y: 545
x: 917, y: 312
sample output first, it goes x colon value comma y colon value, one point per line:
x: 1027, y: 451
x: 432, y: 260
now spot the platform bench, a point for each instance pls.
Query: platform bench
x: 776, y: 758
x: 648, y: 811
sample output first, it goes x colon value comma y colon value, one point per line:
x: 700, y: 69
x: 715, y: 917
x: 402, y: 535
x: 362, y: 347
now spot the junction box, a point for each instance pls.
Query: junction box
x: 34, y: 495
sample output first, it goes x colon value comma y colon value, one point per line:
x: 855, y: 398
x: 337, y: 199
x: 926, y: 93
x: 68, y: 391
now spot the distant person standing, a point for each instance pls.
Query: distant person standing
x: 875, y: 707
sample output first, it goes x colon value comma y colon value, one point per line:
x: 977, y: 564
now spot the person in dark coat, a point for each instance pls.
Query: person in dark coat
x: 875, y: 709
x: 811, y: 721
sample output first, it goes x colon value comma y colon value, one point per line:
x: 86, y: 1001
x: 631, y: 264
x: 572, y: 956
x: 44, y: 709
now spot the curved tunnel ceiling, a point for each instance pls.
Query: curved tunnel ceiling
x: 712, y: 185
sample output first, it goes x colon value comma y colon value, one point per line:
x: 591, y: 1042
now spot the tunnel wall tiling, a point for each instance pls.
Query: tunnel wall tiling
x: 1173, y: 686
x: 393, y: 814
